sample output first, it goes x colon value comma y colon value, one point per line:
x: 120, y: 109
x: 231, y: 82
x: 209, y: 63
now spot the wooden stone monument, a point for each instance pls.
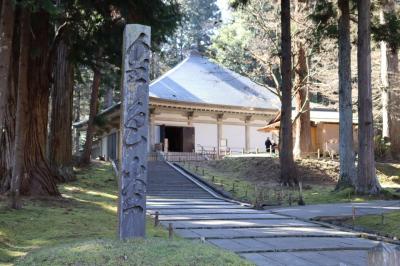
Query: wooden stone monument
x: 134, y: 132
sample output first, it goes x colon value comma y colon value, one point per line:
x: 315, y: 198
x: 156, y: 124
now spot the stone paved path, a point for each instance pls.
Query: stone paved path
x: 340, y: 209
x: 262, y: 237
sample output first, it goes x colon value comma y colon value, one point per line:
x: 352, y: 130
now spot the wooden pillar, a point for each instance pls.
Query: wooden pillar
x: 247, y: 132
x: 219, y: 133
x: 151, y: 130
x: 134, y: 132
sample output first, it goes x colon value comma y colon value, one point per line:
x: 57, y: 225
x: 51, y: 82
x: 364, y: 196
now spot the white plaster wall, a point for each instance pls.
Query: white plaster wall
x: 205, y: 135
x: 257, y: 138
x: 156, y: 134
x: 235, y: 136
x: 104, y: 145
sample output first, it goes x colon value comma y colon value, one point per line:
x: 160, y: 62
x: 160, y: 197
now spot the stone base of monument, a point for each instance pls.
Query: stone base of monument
x: 384, y: 255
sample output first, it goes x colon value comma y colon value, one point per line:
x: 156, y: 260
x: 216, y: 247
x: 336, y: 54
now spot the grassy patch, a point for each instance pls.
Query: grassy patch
x: 87, y: 212
x: 389, y: 226
x: 136, y: 252
x: 256, y: 181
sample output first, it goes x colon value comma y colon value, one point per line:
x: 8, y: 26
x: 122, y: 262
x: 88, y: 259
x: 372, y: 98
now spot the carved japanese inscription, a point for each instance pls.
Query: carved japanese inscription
x: 134, y: 132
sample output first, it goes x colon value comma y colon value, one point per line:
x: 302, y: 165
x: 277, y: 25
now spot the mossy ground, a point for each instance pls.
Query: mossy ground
x: 151, y: 251
x: 84, y: 223
x: 256, y: 180
x: 389, y: 226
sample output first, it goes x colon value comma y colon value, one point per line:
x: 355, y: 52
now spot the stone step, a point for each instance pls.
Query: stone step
x: 293, y: 244
x: 219, y: 216
x: 210, y: 211
x: 248, y: 224
x: 268, y: 232
x: 194, y: 207
x: 320, y: 258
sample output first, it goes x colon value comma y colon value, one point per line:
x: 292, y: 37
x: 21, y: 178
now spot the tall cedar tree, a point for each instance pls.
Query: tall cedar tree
x: 347, y: 170
x: 387, y: 34
x: 367, y: 182
x: 7, y: 93
x: 29, y: 69
x: 288, y: 168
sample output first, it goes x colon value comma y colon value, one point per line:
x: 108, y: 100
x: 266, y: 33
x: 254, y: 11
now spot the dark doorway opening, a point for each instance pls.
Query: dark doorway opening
x: 180, y: 139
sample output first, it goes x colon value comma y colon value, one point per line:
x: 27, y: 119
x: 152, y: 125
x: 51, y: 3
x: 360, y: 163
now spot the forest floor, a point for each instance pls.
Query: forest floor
x: 256, y: 180
x: 80, y: 229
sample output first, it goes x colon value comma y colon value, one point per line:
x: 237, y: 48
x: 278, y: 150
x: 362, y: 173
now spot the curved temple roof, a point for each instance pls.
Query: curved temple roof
x: 198, y: 80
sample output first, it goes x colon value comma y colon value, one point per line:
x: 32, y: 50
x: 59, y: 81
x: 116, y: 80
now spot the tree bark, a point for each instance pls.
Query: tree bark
x: 390, y: 87
x: 347, y: 173
x: 384, y: 82
x: 60, y: 135
x: 22, y: 111
x: 394, y: 103
x: 288, y: 168
x: 7, y: 94
x: 85, y: 159
x: 302, y: 144
x: 367, y: 182
x: 77, y: 118
x: 40, y: 181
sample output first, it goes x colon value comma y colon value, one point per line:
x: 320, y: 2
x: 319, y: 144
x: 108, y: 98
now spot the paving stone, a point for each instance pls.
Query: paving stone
x: 240, y: 224
x: 327, y: 258
x: 193, y: 207
x: 263, y: 232
x: 207, y: 211
x: 221, y: 216
x: 192, y: 203
x: 287, y: 258
x: 340, y: 209
x: 158, y: 199
x: 260, y: 260
x: 287, y: 244
x: 228, y: 244
x: 349, y: 257
x: 301, y: 243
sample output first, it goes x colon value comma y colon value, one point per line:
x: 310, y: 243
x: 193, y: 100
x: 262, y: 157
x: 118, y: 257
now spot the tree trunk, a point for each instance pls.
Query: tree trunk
x: 22, y: 111
x: 384, y: 82
x: 41, y: 181
x: 7, y: 94
x: 60, y: 135
x: 288, y: 168
x: 394, y: 103
x: 77, y: 118
x: 367, y: 182
x: 390, y: 87
x: 85, y: 159
x: 347, y: 173
x: 302, y: 144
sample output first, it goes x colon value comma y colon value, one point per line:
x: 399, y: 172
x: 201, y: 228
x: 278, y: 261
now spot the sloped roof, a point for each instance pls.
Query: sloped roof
x: 317, y: 115
x: 198, y: 80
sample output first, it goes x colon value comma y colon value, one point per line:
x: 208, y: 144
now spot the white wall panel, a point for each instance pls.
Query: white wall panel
x: 205, y: 135
x: 235, y: 136
x: 257, y: 138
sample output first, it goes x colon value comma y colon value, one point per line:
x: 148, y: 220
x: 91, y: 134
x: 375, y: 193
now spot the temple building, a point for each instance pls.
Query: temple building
x: 198, y: 105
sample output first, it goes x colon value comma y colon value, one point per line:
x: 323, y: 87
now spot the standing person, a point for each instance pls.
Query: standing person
x: 268, y: 144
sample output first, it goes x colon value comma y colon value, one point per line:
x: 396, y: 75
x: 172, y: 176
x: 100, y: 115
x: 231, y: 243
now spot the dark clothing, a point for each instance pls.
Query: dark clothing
x: 268, y: 145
